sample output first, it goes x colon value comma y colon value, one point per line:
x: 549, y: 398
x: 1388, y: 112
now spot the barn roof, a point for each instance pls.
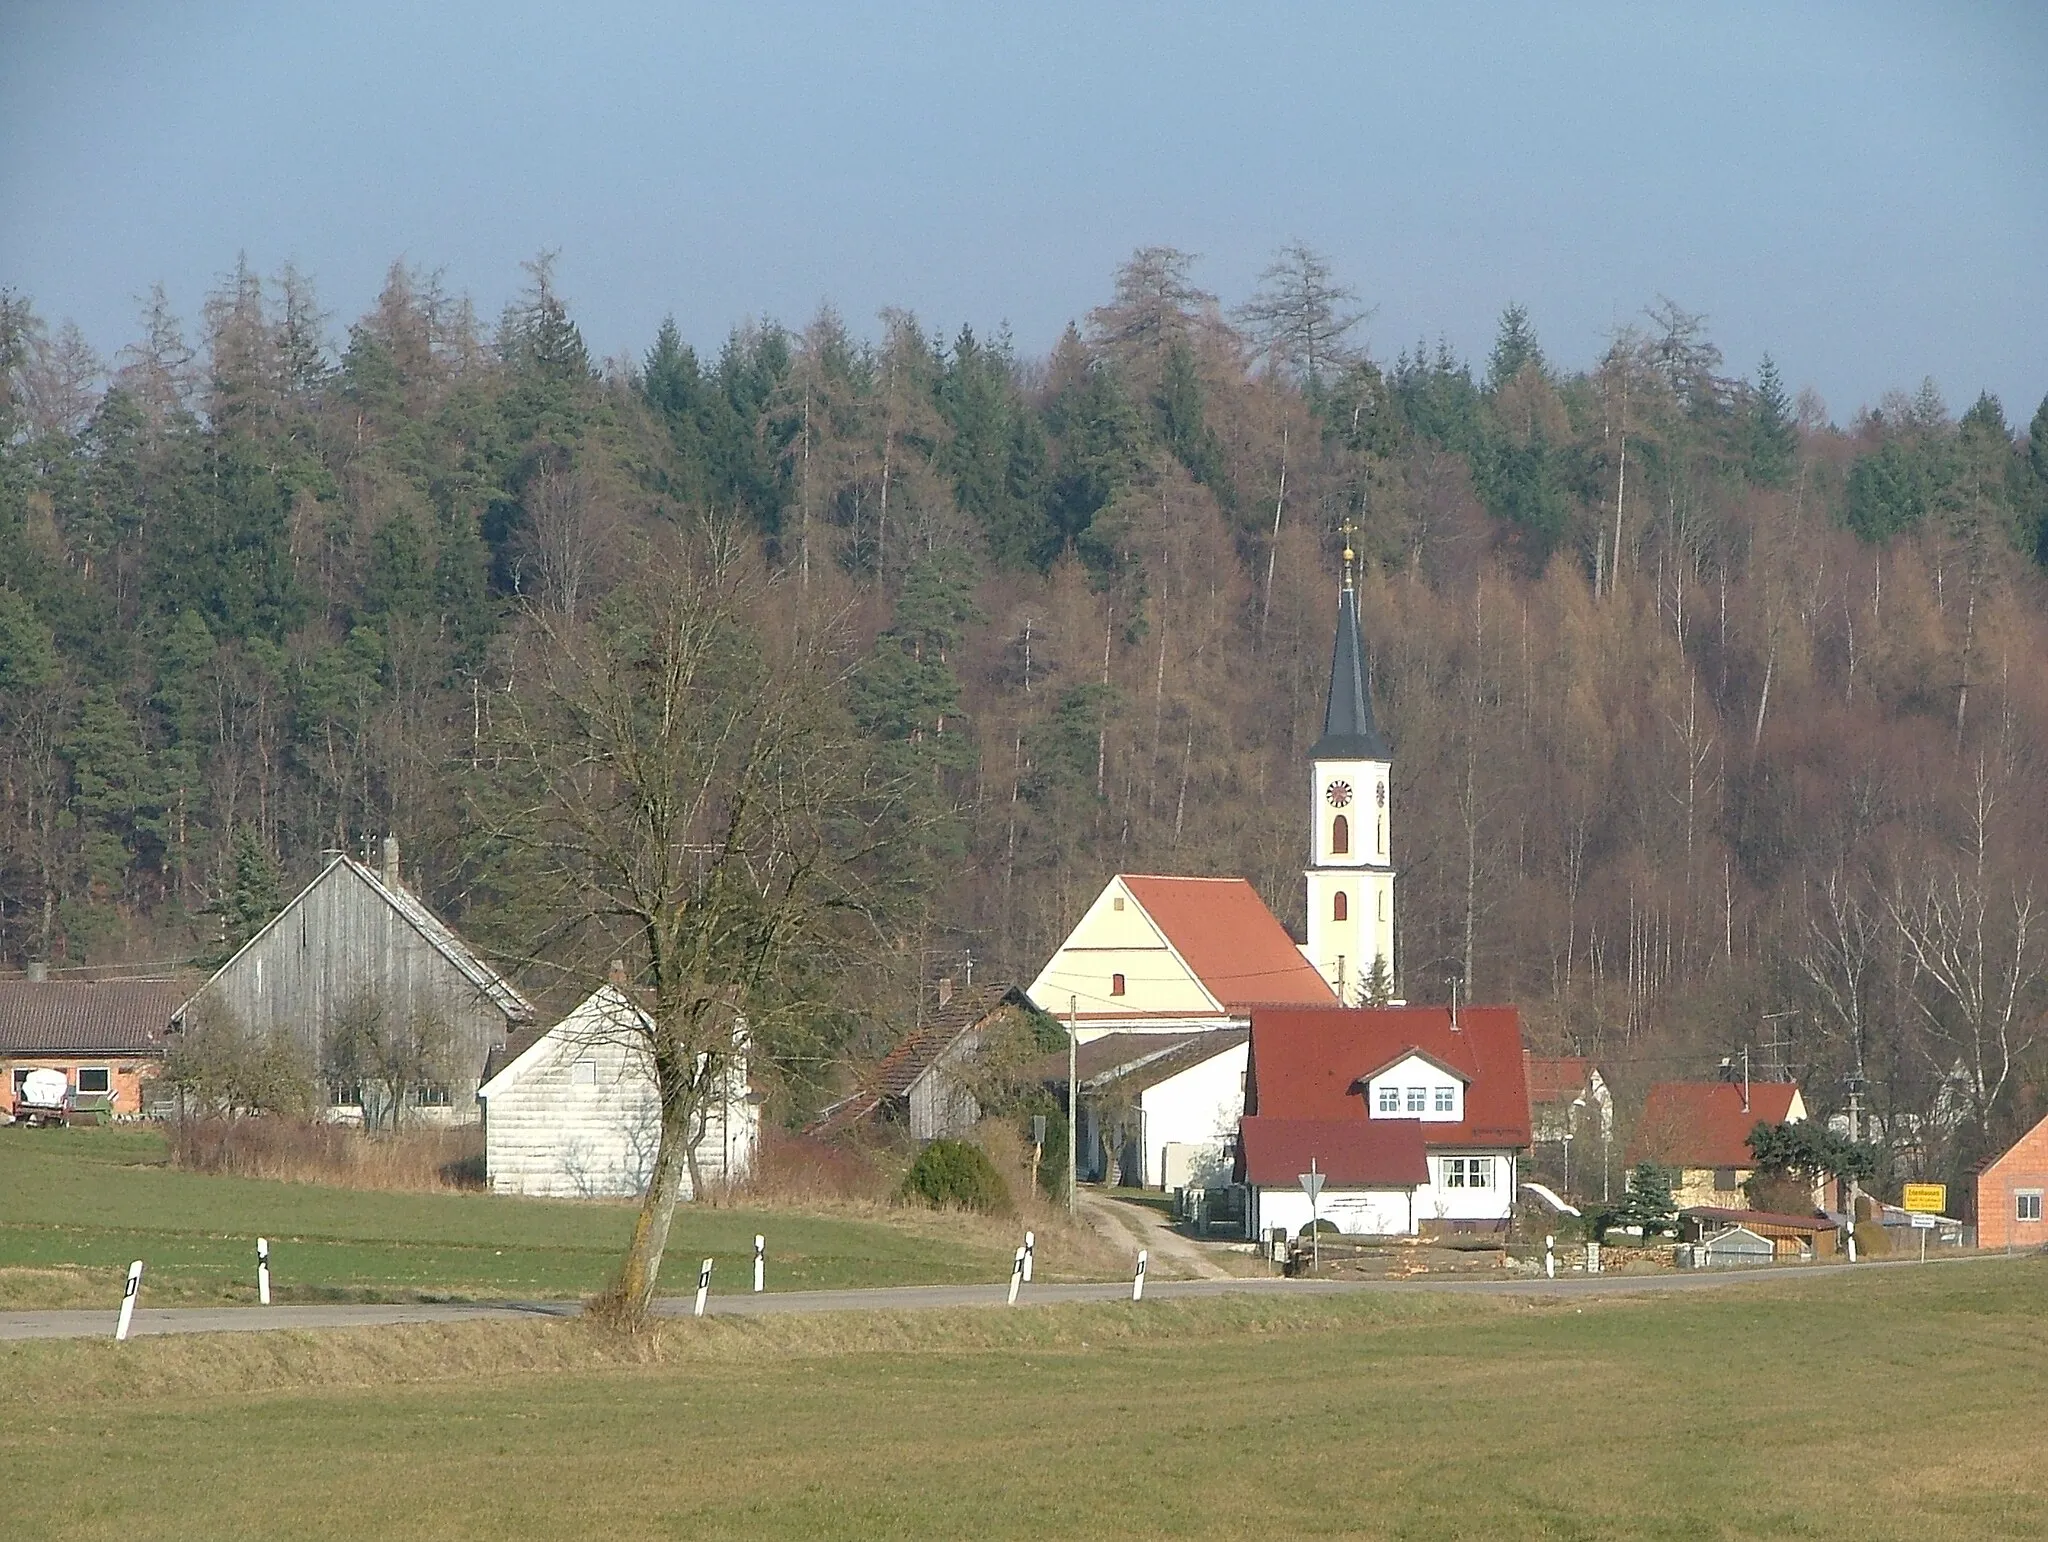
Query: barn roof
x: 1350, y: 1153
x: 1236, y: 947
x: 1314, y: 1064
x: 1704, y: 1124
x: 89, y: 1017
x: 490, y: 985
x: 917, y: 1051
x: 1135, y: 1061
x: 1558, y: 1079
x: 1755, y: 1218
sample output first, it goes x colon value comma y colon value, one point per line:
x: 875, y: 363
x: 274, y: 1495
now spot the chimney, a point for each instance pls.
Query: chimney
x: 616, y: 974
x: 945, y: 990
x: 39, y: 971
x: 390, y: 861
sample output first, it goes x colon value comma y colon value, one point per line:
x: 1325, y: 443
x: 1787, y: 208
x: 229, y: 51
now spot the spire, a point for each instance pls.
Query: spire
x: 1349, y: 732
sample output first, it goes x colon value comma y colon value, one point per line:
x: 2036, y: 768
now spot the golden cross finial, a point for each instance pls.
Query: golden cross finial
x: 1348, y: 530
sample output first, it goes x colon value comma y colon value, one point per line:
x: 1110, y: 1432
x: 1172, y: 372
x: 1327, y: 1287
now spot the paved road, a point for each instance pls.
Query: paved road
x: 903, y: 1298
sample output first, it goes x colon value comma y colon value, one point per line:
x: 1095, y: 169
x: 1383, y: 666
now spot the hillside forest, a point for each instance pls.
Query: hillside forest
x: 1718, y: 724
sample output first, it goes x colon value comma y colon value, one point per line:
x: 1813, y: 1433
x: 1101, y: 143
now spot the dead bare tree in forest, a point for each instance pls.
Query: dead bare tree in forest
x: 681, y: 788
x: 1301, y: 314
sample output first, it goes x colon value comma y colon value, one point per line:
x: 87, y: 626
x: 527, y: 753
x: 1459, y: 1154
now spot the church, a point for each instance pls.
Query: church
x: 1166, y: 954
x: 1417, y: 1117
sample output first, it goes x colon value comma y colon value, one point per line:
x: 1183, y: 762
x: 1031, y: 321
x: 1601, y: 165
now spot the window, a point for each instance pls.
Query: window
x: 1390, y: 1100
x: 94, y: 1080
x: 1446, y: 1101
x: 583, y: 1073
x: 1382, y: 835
x: 345, y: 1094
x: 1724, y: 1180
x: 2026, y: 1205
x: 435, y: 1095
x: 1340, y: 836
x: 1383, y: 904
x: 1418, y: 1098
x: 1340, y: 907
x: 1468, y: 1172
x: 1116, y: 985
x: 1117, y: 903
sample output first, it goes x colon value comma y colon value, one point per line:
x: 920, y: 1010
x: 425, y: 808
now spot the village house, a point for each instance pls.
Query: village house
x: 357, y: 939
x: 106, y: 1036
x: 571, y: 1111
x: 1699, y: 1131
x: 1157, y: 1110
x: 2009, y: 1190
x: 1418, y: 1115
x: 926, y: 1084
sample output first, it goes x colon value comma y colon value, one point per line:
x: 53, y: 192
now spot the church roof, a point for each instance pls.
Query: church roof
x: 1349, y: 732
x: 1236, y: 947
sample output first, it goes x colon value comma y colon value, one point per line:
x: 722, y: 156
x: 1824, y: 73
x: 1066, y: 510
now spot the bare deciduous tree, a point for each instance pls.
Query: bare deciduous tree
x: 679, y: 787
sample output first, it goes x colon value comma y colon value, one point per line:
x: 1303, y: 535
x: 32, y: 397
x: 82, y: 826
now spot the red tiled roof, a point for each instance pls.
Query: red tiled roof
x: 90, y: 1017
x: 1703, y: 1124
x: 1236, y: 946
x: 1559, y: 1079
x: 1352, y: 1153
x: 1311, y: 1064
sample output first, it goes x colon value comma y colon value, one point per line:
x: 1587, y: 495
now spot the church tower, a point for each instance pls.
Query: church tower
x: 1351, y: 879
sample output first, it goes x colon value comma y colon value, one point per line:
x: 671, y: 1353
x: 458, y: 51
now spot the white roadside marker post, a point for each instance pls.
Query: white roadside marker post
x: 128, y: 1301
x: 1016, y: 1275
x: 1030, y: 1247
x: 1549, y: 1258
x: 1138, y: 1279
x: 760, y: 1263
x: 263, y: 1270
x: 703, y: 1287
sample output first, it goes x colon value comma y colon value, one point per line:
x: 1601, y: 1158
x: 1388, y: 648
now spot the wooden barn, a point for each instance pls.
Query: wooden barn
x: 570, y: 1111
x: 354, y: 938
x: 926, y: 1082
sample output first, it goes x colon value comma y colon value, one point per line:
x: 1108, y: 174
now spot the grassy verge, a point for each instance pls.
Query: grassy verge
x: 79, y: 1204
x: 1879, y: 1405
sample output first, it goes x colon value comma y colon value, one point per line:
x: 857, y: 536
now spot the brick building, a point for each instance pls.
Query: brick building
x: 2009, y: 1194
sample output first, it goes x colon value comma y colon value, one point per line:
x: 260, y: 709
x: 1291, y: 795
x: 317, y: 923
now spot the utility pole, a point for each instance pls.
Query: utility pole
x: 1073, y: 1102
x: 1855, y: 1136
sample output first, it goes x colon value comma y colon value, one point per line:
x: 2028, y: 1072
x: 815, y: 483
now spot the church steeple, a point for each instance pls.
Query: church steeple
x: 1349, y: 732
x: 1351, y: 876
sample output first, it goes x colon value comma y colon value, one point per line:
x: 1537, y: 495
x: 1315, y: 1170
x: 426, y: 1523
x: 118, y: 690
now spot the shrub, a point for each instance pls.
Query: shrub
x: 429, y: 1158
x: 954, y: 1173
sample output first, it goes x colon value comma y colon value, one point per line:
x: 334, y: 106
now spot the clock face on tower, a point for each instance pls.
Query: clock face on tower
x: 1339, y: 795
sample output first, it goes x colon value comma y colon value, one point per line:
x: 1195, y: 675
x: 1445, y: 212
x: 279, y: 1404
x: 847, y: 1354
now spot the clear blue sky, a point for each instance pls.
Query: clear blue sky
x: 1861, y: 190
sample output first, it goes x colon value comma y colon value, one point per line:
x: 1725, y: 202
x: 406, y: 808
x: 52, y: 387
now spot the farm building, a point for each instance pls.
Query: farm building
x: 1424, y: 1111
x: 357, y: 940
x: 2009, y: 1194
x: 106, y: 1036
x: 570, y: 1112
x: 1700, y: 1131
x: 926, y: 1083
x: 1791, y: 1236
x: 1157, y: 1110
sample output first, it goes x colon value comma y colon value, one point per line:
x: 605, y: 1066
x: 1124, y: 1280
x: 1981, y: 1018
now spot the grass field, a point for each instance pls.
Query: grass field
x: 77, y: 1205
x: 1860, y: 1404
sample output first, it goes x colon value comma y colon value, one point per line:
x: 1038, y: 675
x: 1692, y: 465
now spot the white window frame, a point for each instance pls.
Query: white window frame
x: 1468, y: 1172
x: 78, y: 1081
x: 1389, y: 1100
x: 2022, y: 1201
x: 1417, y: 1100
x: 1443, y: 1100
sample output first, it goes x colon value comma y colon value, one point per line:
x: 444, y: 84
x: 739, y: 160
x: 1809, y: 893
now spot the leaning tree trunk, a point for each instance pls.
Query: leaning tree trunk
x: 633, y: 1295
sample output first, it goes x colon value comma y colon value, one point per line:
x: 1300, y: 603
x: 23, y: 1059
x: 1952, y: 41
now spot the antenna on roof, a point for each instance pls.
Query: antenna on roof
x: 1454, y: 1004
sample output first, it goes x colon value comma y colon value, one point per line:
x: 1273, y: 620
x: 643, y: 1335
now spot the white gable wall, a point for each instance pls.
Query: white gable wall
x: 1417, y: 1074
x: 1116, y: 937
x: 1200, y: 1106
x: 576, y: 1116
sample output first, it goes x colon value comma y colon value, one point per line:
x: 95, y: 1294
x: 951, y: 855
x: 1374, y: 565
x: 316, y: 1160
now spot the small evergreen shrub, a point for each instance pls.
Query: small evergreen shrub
x: 955, y: 1174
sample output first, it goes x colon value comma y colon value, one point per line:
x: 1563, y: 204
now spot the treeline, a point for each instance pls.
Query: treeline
x: 1716, y: 724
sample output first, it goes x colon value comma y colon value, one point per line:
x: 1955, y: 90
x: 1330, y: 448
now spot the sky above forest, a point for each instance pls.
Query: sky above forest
x: 1860, y: 190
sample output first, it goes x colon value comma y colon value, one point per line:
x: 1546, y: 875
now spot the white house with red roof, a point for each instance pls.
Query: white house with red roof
x: 1417, y: 1116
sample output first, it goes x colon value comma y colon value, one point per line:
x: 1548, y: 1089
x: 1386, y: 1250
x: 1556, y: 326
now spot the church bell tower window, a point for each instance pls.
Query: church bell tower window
x: 1340, y: 908
x: 1340, y: 836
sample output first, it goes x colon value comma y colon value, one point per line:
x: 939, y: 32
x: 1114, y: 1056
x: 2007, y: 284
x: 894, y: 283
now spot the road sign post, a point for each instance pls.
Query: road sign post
x: 263, y: 1270
x: 128, y: 1301
x: 703, y: 1287
x: 1923, y: 1224
x: 1312, y: 1186
x: 760, y: 1262
x: 1925, y: 1198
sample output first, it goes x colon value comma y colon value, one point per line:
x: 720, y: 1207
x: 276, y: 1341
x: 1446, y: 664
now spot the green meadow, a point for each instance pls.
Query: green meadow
x: 1898, y: 1403
x: 77, y: 1205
